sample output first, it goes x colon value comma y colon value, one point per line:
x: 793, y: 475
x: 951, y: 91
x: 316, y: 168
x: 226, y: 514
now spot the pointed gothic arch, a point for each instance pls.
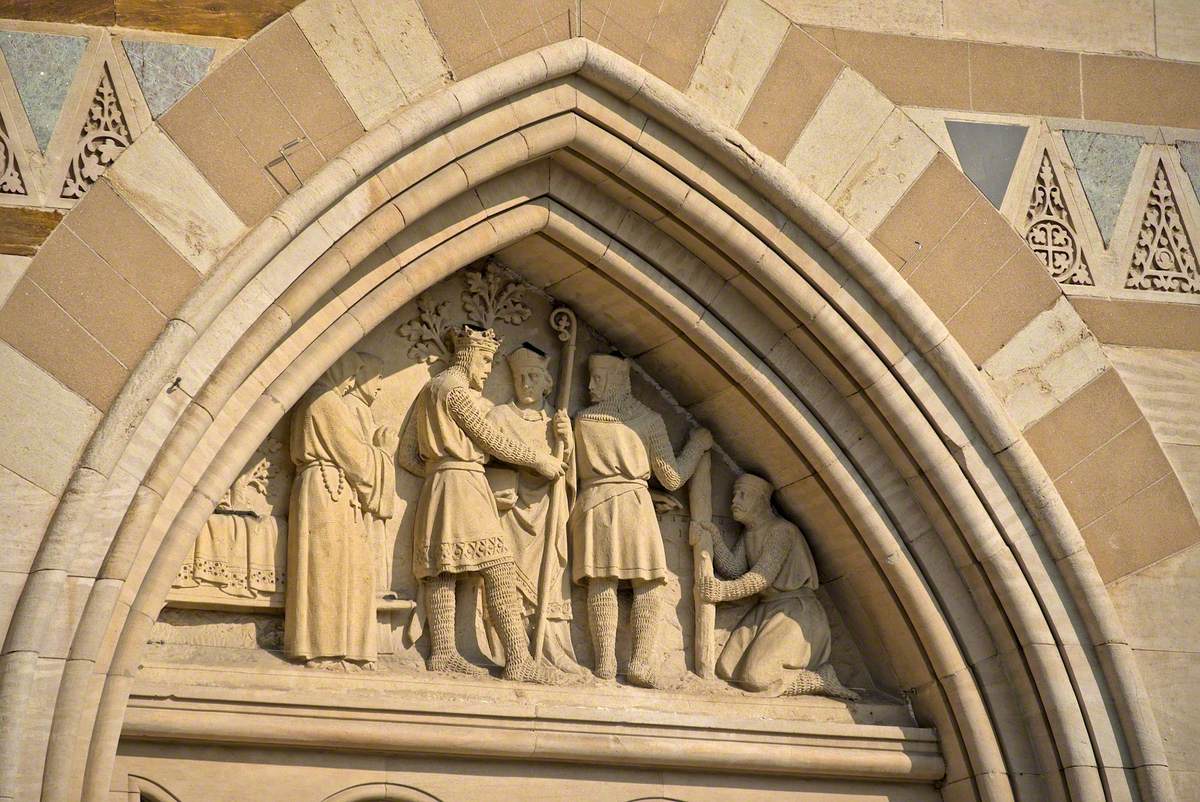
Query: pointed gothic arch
x: 915, y: 486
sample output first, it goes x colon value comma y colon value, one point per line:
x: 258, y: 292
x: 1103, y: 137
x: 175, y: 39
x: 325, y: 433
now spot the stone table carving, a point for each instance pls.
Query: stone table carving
x: 524, y: 500
x: 782, y: 644
x: 619, y: 443
x: 340, y: 479
x: 457, y: 528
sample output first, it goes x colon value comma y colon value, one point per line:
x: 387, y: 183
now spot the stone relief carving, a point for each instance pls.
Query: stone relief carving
x: 241, y: 550
x: 1163, y: 256
x: 104, y: 135
x: 457, y: 528
x: 489, y: 296
x: 1050, y: 231
x: 11, y: 180
x: 344, y: 482
x: 615, y: 536
x: 782, y: 644
x: 442, y: 516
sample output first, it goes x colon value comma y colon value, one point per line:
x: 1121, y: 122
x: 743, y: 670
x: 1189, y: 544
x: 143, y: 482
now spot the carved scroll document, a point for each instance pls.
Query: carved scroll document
x: 700, y: 505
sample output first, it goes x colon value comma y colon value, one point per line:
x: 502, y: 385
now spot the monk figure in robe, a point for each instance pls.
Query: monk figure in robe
x: 456, y: 529
x: 781, y: 646
x: 340, y: 477
x: 619, y: 443
x: 367, y: 385
x: 524, y: 500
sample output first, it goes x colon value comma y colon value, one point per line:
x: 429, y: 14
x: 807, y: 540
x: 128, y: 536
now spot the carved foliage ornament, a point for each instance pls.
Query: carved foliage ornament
x: 1050, y: 231
x: 104, y: 135
x: 1163, y: 257
x: 11, y: 182
x: 490, y: 295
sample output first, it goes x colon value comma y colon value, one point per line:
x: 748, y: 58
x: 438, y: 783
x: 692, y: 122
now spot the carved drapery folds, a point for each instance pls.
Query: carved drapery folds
x: 1163, y: 256
x: 1050, y: 231
x: 104, y: 135
x: 11, y: 180
x: 545, y: 527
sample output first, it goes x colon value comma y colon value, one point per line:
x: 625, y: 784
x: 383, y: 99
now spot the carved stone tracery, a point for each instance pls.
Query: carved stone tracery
x: 1163, y: 256
x: 1050, y: 231
x: 105, y: 134
x: 11, y: 181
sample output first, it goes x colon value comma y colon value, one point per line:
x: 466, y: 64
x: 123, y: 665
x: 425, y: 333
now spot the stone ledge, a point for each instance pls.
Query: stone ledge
x: 406, y: 712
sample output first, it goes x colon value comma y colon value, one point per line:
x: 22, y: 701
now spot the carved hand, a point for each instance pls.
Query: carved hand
x: 505, y: 499
x: 562, y: 430
x: 699, y: 528
x: 702, y: 438
x: 549, y: 466
x: 710, y: 589
x: 388, y: 438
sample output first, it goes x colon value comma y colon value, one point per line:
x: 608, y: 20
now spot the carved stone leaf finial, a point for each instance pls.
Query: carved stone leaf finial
x: 427, y: 331
x: 489, y: 296
x: 492, y: 296
x: 103, y: 136
x: 1163, y: 257
x: 11, y: 181
x: 1050, y: 232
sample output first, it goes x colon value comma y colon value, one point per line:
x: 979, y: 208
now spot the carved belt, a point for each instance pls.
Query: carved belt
x: 612, y: 480
x: 453, y: 465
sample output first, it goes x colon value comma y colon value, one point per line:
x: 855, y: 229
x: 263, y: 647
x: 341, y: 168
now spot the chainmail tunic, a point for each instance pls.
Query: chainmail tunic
x: 457, y: 527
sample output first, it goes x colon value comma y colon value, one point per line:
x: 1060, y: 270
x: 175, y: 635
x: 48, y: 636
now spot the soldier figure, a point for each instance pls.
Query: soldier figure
x: 782, y: 645
x: 457, y: 527
x: 619, y: 443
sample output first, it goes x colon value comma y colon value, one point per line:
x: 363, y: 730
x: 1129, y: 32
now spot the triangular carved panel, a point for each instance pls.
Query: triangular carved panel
x: 1050, y: 230
x: 11, y: 180
x: 1163, y: 256
x: 104, y: 135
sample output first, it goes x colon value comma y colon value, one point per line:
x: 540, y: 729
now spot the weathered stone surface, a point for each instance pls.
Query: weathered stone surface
x: 166, y: 70
x: 167, y: 190
x: 851, y: 113
x: 44, y: 426
x: 739, y: 51
x: 1104, y: 163
x: 42, y: 66
x: 1045, y: 364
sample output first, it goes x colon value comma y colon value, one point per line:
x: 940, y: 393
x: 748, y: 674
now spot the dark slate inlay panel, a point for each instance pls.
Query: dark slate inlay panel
x: 165, y: 71
x: 988, y: 154
x: 42, y: 66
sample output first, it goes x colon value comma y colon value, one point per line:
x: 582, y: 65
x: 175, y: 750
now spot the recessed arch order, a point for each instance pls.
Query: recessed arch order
x: 758, y: 306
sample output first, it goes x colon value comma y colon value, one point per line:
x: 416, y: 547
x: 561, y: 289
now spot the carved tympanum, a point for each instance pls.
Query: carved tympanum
x: 1050, y: 231
x: 1163, y: 256
x: 105, y: 134
x: 509, y: 496
x: 782, y: 644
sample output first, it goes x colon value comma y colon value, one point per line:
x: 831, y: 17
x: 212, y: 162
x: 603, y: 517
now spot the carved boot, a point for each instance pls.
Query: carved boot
x: 439, y: 608
x: 602, y: 619
x: 500, y: 584
x: 644, y: 663
x: 822, y: 682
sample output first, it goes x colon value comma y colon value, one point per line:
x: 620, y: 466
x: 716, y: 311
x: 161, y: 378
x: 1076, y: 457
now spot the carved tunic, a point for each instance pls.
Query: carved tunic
x: 613, y: 526
x: 331, y: 584
x: 787, y: 631
x: 457, y: 525
x: 526, y: 520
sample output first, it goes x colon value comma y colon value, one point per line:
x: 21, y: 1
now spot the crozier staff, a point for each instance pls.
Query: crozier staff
x: 457, y: 528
